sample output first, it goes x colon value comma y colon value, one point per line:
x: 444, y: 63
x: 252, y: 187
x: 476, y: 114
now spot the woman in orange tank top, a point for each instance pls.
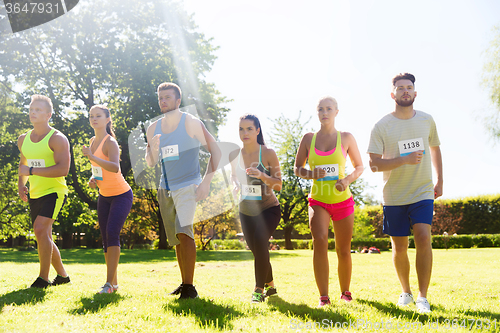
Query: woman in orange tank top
x: 115, y: 195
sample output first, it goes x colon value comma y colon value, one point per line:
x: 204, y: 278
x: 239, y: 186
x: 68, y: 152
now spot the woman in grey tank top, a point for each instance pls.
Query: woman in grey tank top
x: 255, y: 173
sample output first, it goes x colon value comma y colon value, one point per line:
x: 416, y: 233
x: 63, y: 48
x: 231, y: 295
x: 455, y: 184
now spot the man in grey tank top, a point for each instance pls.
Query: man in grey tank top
x: 174, y: 141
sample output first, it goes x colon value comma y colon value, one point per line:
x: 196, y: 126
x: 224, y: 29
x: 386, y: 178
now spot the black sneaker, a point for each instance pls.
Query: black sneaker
x: 258, y: 297
x: 177, y: 290
x: 40, y: 283
x: 60, y: 280
x: 269, y: 291
x: 188, y: 291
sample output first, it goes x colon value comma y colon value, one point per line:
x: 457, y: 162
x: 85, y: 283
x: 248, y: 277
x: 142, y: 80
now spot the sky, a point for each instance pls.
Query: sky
x: 276, y: 57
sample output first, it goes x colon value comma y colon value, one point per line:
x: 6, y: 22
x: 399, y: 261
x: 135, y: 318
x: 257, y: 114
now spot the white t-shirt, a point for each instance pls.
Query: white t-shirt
x: 392, y: 137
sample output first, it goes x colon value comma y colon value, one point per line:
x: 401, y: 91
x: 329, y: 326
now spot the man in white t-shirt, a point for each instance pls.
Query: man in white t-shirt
x: 402, y: 146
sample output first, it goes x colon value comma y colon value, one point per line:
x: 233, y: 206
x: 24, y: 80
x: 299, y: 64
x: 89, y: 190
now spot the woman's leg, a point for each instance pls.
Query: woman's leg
x: 319, y: 221
x: 343, y: 234
x: 118, y: 212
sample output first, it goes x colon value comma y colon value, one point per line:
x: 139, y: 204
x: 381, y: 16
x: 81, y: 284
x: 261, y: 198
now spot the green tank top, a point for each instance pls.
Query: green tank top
x: 39, y: 155
x: 334, y: 164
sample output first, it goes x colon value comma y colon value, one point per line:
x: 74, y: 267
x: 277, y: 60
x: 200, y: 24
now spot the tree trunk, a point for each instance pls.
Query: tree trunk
x: 288, y: 237
x: 67, y: 240
x: 163, y: 244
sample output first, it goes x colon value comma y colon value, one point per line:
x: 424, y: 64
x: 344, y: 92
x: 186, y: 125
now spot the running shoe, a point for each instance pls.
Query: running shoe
x: 177, y: 290
x: 405, y: 299
x: 60, y: 280
x: 269, y: 291
x: 423, y: 305
x: 40, y: 283
x: 188, y: 291
x: 107, y: 289
x: 324, y: 300
x: 258, y: 297
x: 346, y: 296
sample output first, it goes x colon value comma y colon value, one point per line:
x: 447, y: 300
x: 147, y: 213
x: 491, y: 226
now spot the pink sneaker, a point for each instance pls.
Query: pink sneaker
x: 324, y: 300
x: 346, y: 296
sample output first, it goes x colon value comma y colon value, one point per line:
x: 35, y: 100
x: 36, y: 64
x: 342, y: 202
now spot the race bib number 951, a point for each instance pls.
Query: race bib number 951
x: 407, y: 147
x: 251, y: 192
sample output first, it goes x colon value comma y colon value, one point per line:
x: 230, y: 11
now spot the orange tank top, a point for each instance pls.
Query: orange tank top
x: 110, y: 183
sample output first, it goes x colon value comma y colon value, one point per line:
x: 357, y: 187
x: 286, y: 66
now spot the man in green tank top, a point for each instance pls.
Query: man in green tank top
x: 45, y: 160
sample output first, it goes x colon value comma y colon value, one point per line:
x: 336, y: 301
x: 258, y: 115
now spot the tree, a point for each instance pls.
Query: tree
x: 215, y: 216
x: 14, y: 220
x: 112, y: 52
x: 285, y: 138
x: 491, y: 80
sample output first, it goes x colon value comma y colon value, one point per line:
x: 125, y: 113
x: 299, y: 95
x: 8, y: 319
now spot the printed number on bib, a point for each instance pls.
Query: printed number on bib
x: 97, y: 173
x: 170, y: 153
x: 36, y: 163
x: 251, y: 192
x: 406, y: 147
x: 332, y: 171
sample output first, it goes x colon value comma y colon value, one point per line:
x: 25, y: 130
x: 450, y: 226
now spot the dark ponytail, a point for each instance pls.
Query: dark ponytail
x: 256, y: 122
x: 109, y: 125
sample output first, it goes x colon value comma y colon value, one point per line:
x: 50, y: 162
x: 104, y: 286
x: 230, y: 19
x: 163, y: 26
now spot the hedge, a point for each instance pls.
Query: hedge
x: 438, y: 242
x: 473, y: 215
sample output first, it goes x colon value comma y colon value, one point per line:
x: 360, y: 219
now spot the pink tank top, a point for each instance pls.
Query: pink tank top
x: 110, y: 183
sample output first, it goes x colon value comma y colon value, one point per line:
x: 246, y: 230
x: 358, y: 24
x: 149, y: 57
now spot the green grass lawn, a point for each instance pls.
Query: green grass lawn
x: 464, y: 290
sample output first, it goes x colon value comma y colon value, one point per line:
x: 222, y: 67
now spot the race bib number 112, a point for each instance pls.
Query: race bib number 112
x: 170, y: 153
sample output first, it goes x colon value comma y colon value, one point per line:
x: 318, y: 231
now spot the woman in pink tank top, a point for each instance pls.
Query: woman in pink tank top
x: 115, y: 195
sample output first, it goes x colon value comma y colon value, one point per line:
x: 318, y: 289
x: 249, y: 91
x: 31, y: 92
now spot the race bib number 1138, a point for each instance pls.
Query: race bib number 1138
x: 406, y: 147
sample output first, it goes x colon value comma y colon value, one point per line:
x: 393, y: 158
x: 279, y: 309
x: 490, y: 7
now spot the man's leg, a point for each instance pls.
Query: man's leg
x: 423, y: 245
x: 178, y: 254
x: 186, y: 254
x: 47, y: 250
x: 401, y: 262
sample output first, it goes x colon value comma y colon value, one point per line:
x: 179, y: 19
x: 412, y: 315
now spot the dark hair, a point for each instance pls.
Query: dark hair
x: 256, y: 122
x: 171, y: 85
x: 403, y: 76
x: 109, y: 125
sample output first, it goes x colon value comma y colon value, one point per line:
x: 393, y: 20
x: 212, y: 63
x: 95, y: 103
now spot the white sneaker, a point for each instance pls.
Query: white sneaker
x: 405, y: 299
x: 423, y: 305
x: 106, y: 289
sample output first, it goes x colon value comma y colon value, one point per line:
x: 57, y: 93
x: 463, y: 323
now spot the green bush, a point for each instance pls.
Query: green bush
x: 469, y: 216
x: 227, y: 244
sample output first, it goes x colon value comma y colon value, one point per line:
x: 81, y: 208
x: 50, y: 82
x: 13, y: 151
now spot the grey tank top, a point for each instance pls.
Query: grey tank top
x: 256, y: 196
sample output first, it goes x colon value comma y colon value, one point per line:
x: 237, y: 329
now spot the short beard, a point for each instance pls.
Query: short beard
x: 402, y: 102
x: 168, y: 110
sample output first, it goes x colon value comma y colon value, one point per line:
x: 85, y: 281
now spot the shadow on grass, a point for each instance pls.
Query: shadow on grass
x: 207, y: 314
x: 306, y: 313
x: 28, y: 296
x: 484, y: 314
x: 392, y: 310
x: 96, y: 303
x: 96, y: 256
